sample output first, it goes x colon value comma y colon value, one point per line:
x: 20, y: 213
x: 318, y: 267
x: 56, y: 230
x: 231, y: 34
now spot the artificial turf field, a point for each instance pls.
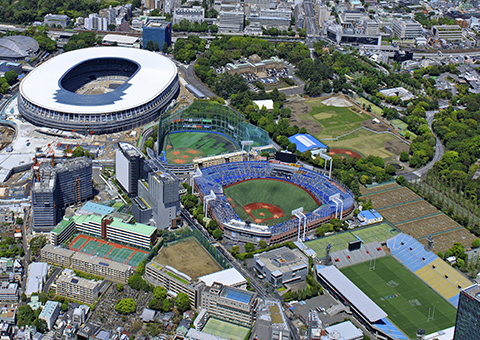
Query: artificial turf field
x: 183, y: 147
x: 225, y: 329
x: 284, y: 195
x: 403, y: 296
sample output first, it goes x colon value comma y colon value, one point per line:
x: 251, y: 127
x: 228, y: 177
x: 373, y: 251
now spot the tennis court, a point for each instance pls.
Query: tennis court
x: 109, y: 250
x: 225, y: 329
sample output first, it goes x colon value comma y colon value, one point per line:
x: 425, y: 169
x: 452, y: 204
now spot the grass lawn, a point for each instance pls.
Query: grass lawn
x: 285, y: 196
x: 377, y: 233
x: 225, y: 329
x: 338, y: 241
x: 403, y: 296
x: 335, y: 121
x: 403, y: 128
x: 375, y: 109
x: 364, y: 142
x: 183, y: 147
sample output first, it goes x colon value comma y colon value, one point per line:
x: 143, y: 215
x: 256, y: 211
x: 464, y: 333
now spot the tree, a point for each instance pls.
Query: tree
x: 165, y: 48
x: 24, y: 297
x: 167, y: 305
x: 476, y: 243
x: 42, y: 297
x: 404, y: 157
x: 390, y: 169
x: 25, y: 316
x: 112, y: 27
x: 159, y: 292
x: 156, y: 47
x: 141, y: 268
x: 183, y: 302
x: 126, y: 306
x: 217, y: 233
x: 262, y: 244
x: 41, y: 325
x: 249, y: 247
x: 235, y: 250
x: 135, y: 281
x: 18, y: 220
x: 11, y: 77
x: 119, y: 287
x: 150, y: 45
x: 64, y: 306
x: 319, y: 232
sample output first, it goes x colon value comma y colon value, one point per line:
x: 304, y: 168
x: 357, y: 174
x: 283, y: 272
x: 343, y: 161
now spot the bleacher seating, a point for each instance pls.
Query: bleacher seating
x: 321, y: 187
x: 429, y: 267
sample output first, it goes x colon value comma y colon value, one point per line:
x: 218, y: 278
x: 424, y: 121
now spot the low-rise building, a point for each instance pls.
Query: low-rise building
x: 77, y: 288
x: 447, y: 32
x: 8, y: 291
x: 193, y: 14
x: 56, y: 19
x: 407, y: 29
x: 230, y: 304
x: 306, y: 142
x: 62, y: 232
x: 50, y: 313
x: 231, y: 21
x: 57, y: 255
x: 369, y: 216
x: 228, y: 277
x: 121, y: 41
x: 282, y: 265
x: 105, y: 268
x: 37, y: 273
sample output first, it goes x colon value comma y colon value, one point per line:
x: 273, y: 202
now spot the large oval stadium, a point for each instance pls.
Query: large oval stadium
x: 100, y: 90
x: 254, y: 200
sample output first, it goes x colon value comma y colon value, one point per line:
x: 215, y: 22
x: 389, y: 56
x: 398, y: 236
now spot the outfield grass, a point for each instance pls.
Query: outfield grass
x: 403, y: 296
x: 335, y: 121
x: 364, y: 142
x: 338, y: 242
x: 375, y: 109
x: 377, y: 233
x: 183, y: 147
x: 225, y: 329
x: 284, y: 195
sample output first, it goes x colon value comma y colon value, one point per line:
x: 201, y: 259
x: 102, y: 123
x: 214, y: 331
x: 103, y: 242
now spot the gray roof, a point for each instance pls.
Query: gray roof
x: 17, y: 46
x: 352, y: 293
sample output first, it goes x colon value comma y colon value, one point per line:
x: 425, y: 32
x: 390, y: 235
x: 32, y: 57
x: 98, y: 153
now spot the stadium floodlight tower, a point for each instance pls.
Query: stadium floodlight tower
x: 338, y: 201
x: 299, y: 213
x: 327, y: 158
x: 196, y: 173
x: 207, y: 199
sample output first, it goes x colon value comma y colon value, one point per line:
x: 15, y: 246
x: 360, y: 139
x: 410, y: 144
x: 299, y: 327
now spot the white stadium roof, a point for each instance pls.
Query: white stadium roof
x: 155, y: 74
x: 352, y: 293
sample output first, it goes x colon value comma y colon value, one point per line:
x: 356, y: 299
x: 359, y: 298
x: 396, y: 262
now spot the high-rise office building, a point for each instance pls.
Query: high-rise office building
x: 128, y: 167
x: 56, y: 186
x: 159, y: 32
x: 467, y: 325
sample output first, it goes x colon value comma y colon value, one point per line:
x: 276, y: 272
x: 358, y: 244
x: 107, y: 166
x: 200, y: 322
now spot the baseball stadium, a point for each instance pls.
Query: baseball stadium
x: 253, y: 201
x: 205, y: 129
x: 98, y: 90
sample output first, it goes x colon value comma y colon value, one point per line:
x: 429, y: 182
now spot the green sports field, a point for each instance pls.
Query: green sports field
x: 403, y: 296
x: 283, y: 195
x: 183, y: 147
x: 379, y: 233
x: 225, y: 329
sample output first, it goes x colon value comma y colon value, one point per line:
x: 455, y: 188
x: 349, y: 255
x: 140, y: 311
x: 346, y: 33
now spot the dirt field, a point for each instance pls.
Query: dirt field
x: 189, y: 257
x: 337, y: 101
x: 344, y: 152
x: 301, y: 117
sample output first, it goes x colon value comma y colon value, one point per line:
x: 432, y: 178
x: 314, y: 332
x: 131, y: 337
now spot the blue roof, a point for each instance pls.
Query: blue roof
x: 306, y: 142
x: 367, y: 214
x: 97, y: 208
x: 237, y: 295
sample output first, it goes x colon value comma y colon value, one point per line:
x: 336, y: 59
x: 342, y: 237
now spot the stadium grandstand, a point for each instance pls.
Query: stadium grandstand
x: 366, y: 311
x: 100, y: 90
x: 333, y: 199
x: 445, y: 280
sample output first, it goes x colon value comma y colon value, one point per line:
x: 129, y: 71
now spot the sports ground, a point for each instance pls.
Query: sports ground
x: 403, y: 296
x: 189, y: 257
x: 108, y: 250
x: 183, y: 147
x: 378, y: 233
x: 266, y: 201
x: 225, y: 329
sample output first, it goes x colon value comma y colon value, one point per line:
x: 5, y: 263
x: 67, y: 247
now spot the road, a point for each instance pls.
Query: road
x: 439, y: 148
x: 50, y: 280
x: 26, y: 248
x: 188, y: 73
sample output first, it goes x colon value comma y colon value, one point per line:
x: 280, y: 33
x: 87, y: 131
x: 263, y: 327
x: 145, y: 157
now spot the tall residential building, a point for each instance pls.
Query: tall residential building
x: 467, y: 325
x: 152, y: 4
x: 194, y: 14
x: 158, y: 198
x: 323, y: 14
x: 128, y: 167
x: 76, y: 288
x: 157, y: 32
x: 230, y: 304
x: 231, y: 21
x: 50, y: 313
x: 56, y: 186
x: 407, y: 29
x: 96, y: 23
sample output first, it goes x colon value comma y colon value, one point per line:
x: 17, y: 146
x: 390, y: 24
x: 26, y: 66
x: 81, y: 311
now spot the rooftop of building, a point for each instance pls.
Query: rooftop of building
x: 62, y: 225
x: 136, y: 228
x: 227, y: 277
x: 283, y: 259
x: 473, y: 291
x: 122, y: 39
x: 94, y: 260
x: 94, y: 208
x: 58, y: 250
x: 238, y: 295
x: 306, y: 142
x: 79, y: 281
x: 49, y: 309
